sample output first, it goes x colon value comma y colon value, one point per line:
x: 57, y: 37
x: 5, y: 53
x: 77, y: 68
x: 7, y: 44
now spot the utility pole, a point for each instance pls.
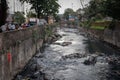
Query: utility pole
x: 72, y: 5
x: 14, y: 6
x: 23, y: 9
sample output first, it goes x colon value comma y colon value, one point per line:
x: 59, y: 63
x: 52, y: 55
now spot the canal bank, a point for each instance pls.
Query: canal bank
x: 74, y: 56
x: 108, y: 36
x: 19, y: 46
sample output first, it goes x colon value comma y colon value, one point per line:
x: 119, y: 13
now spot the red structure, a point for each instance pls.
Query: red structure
x: 9, y: 57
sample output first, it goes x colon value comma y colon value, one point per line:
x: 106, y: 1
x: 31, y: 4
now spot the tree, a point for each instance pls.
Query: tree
x: 109, y: 8
x: 44, y: 7
x: 31, y: 14
x: 81, y: 2
x: 3, y: 11
x: 57, y: 18
x: 112, y: 8
x: 19, y: 17
x: 95, y: 7
x: 68, y: 12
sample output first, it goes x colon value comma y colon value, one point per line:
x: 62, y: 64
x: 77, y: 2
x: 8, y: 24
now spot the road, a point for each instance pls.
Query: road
x: 74, y: 56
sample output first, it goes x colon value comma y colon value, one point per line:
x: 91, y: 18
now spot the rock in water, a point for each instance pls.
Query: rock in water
x: 66, y: 43
x: 91, y: 60
x: 87, y: 62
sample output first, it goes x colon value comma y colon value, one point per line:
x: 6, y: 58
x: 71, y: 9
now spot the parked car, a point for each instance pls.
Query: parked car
x: 42, y: 22
x: 33, y: 21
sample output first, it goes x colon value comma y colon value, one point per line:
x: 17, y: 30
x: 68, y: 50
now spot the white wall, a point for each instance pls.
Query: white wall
x: 16, y: 5
x: 26, y: 8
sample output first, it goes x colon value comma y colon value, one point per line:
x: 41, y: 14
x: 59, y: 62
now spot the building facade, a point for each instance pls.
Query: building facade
x: 16, y: 5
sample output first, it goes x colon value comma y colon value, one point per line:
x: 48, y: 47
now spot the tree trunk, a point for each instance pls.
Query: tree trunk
x: 3, y: 12
x: 38, y: 12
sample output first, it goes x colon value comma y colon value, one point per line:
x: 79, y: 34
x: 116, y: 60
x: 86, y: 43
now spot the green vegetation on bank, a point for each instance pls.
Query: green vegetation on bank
x: 97, y: 27
x: 49, y: 29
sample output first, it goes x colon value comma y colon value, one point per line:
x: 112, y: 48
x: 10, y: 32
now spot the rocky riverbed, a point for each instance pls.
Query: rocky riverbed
x: 73, y: 56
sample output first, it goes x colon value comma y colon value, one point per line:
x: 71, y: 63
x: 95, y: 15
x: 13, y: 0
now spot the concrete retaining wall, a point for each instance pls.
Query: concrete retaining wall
x: 107, y: 35
x: 17, y: 48
x: 112, y: 36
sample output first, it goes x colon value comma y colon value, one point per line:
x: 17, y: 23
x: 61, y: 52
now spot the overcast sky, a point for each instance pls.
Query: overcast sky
x: 74, y: 4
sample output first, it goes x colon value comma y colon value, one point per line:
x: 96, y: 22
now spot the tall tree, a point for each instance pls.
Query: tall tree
x: 81, y: 2
x: 95, y: 7
x: 68, y: 12
x: 112, y: 8
x: 44, y: 7
x: 109, y: 8
x: 3, y: 11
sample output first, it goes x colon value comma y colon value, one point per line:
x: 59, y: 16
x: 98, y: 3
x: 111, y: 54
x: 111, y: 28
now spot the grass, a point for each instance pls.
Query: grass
x: 98, y: 27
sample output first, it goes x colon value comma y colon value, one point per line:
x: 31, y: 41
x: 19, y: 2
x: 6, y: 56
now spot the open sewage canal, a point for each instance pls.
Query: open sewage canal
x: 73, y: 57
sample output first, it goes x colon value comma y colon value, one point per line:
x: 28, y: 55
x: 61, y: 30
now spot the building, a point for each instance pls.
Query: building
x: 16, y: 5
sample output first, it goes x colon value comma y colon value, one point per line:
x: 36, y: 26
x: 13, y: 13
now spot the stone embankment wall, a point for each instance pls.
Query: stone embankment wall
x: 113, y: 36
x: 17, y: 48
x: 107, y: 35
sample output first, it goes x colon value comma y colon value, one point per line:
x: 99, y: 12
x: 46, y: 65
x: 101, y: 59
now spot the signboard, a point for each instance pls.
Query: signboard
x: 71, y: 18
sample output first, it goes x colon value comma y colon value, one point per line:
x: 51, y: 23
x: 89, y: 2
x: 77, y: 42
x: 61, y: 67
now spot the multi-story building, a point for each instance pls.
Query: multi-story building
x: 16, y: 5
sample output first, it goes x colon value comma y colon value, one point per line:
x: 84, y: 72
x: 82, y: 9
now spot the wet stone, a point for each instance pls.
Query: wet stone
x: 55, y: 37
x: 91, y: 60
x: 99, y: 54
x: 19, y: 77
x: 55, y: 79
x: 33, y: 67
x: 66, y: 43
x: 114, y: 63
x: 39, y: 55
x: 63, y: 44
x: 113, y: 60
x: 56, y: 64
x: 38, y: 75
x: 56, y: 43
x: 74, y: 55
x: 64, y: 35
x: 46, y: 45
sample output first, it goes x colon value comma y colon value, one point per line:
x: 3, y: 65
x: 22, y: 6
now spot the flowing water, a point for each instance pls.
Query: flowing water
x: 65, y: 59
